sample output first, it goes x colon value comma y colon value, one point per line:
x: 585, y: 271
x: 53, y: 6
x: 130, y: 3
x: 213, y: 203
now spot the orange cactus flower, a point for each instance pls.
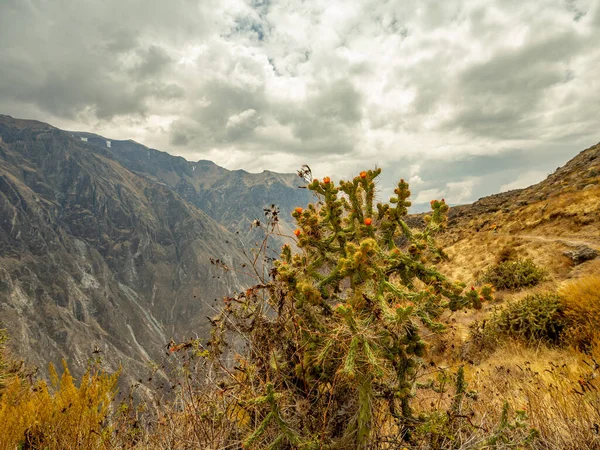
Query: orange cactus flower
x: 368, y: 221
x: 299, y: 210
x: 363, y: 174
x: 297, y: 232
x: 326, y: 180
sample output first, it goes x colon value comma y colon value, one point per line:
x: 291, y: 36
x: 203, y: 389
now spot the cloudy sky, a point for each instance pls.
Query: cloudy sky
x: 464, y: 98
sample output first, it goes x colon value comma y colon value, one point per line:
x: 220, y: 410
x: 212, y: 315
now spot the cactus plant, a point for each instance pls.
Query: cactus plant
x: 516, y: 274
x: 338, y: 329
x: 534, y: 318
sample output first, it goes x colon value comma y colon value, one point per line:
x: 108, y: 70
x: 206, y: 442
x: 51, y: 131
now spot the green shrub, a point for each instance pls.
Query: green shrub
x: 514, y: 274
x: 538, y: 317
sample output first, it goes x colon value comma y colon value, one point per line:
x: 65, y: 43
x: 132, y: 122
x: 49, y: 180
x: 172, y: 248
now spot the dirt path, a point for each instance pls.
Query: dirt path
x: 557, y: 239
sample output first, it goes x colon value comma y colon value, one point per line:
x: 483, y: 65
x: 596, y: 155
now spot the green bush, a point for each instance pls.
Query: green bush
x: 514, y: 274
x: 538, y: 317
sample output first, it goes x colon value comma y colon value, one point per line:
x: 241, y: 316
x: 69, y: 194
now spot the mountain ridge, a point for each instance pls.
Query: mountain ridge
x: 94, y: 255
x: 210, y: 187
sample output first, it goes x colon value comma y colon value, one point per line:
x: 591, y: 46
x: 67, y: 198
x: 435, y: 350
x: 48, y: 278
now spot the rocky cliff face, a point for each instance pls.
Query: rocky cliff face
x: 232, y: 198
x: 109, y: 247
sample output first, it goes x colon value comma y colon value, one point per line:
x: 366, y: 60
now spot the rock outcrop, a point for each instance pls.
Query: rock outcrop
x: 581, y: 254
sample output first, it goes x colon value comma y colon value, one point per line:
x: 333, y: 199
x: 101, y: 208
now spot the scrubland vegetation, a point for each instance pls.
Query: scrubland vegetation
x: 356, y: 338
x: 513, y: 274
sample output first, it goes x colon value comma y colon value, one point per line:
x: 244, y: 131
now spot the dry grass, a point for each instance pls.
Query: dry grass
x: 540, y: 230
x: 550, y: 393
x: 582, y: 311
x: 557, y: 388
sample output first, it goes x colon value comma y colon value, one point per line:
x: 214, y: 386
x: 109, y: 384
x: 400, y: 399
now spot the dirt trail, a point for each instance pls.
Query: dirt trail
x: 463, y: 322
x: 561, y: 240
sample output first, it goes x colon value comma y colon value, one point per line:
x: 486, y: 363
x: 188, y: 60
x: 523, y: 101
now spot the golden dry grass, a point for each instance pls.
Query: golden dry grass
x: 555, y: 391
x: 558, y: 388
x: 541, y: 231
x: 582, y: 310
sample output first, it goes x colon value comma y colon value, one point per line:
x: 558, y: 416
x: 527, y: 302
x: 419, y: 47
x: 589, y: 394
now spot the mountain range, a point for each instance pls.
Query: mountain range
x: 106, y: 245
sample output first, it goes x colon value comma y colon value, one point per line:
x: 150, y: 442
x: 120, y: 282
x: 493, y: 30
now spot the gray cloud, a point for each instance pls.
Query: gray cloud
x: 153, y: 61
x: 221, y: 113
x: 329, y: 112
x: 70, y: 57
x: 499, y: 97
x: 440, y: 92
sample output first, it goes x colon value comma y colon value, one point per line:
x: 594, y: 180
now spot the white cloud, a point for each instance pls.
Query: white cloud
x: 415, y: 87
x: 454, y: 193
x: 429, y: 194
x: 459, y: 191
x: 415, y: 180
x: 524, y: 180
x: 239, y: 125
